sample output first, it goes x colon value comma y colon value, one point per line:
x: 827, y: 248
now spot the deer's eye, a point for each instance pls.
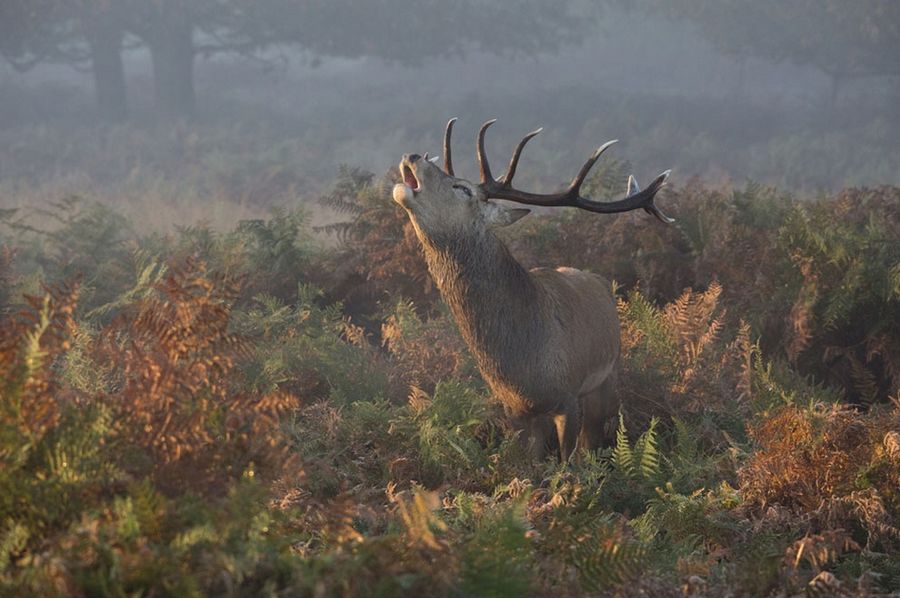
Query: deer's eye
x: 464, y: 189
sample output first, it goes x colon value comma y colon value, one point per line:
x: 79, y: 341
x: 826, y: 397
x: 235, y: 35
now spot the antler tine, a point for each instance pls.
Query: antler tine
x: 486, y: 176
x: 448, y: 157
x: 651, y: 208
x: 514, y: 161
x: 575, y: 186
x: 640, y: 199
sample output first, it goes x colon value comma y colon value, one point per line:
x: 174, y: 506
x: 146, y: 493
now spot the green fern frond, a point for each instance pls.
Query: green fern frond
x: 73, y: 452
x: 641, y: 461
x: 864, y: 381
x: 686, y: 448
x: 150, y: 271
x: 623, y: 456
x: 606, y: 557
x: 497, y: 559
x: 646, y: 452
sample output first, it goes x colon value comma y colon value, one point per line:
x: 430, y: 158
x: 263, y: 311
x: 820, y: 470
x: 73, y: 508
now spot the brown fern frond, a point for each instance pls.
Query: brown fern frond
x: 424, y: 352
x: 173, y: 367
x: 818, y: 550
x: 809, y: 463
x: 740, y: 354
x: 693, y: 321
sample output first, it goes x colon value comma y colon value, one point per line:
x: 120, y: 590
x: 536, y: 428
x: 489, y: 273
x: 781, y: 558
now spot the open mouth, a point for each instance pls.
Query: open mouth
x: 409, y: 177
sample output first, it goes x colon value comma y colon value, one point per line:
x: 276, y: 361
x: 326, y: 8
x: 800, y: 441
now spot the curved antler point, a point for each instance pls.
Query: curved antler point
x: 604, y: 147
x: 448, y: 158
x: 486, y: 175
x: 662, y: 217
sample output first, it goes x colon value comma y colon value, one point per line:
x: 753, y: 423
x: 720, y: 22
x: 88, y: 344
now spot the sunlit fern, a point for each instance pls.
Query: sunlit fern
x: 641, y: 461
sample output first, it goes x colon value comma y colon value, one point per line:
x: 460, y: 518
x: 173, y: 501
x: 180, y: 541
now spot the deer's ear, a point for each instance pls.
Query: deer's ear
x: 501, y: 216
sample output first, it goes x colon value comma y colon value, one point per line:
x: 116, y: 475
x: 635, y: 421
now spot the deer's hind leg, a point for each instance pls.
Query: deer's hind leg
x: 600, y: 408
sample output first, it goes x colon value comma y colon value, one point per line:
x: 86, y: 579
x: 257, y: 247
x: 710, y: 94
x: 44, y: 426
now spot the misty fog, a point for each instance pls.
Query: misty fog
x: 274, y: 125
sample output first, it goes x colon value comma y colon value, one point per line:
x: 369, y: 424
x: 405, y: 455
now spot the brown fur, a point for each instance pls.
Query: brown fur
x: 546, y: 341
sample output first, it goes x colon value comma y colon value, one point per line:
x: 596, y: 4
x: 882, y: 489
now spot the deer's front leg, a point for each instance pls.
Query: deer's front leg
x: 536, y: 434
x: 568, y: 428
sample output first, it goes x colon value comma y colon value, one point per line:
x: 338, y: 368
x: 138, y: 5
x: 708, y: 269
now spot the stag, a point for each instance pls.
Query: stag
x: 545, y: 340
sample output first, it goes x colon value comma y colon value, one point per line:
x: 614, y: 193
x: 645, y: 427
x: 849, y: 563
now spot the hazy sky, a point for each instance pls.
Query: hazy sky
x: 657, y: 85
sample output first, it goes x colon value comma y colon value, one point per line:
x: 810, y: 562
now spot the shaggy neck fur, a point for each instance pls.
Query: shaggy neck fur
x: 495, y: 302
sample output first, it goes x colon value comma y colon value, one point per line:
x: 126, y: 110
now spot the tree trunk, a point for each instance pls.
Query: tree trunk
x: 109, y: 73
x: 172, y: 52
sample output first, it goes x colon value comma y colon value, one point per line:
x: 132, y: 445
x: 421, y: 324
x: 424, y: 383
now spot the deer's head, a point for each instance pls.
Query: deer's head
x: 440, y: 203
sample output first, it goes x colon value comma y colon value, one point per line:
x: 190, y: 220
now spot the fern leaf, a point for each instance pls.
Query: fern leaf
x: 607, y: 557
x: 647, y: 452
x: 623, y: 456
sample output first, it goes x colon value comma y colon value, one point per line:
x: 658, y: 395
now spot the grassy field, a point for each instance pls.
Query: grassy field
x: 251, y: 406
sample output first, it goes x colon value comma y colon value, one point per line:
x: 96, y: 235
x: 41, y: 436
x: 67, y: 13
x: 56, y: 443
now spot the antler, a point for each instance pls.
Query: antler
x: 448, y: 157
x: 502, y: 188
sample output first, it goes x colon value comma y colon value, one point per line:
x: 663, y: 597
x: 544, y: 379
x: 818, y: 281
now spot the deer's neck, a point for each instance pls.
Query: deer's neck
x: 492, y: 297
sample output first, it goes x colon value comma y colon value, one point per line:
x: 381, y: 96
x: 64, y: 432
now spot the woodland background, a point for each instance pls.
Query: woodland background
x: 224, y: 370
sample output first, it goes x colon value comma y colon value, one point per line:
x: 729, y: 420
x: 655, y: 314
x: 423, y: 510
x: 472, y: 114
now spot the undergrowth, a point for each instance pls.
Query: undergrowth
x: 248, y: 412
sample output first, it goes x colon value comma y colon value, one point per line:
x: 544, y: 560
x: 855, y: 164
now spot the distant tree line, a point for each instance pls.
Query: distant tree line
x: 844, y: 39
x: 93, y: 34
